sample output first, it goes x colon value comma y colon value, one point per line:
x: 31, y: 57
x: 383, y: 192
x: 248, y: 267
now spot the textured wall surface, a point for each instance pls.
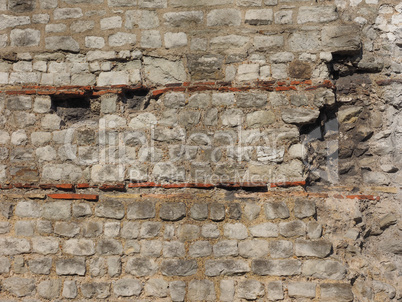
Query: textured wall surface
x: 210, y: 150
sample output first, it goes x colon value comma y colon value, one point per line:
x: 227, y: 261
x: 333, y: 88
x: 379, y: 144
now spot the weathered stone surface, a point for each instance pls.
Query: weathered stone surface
x: 324, y: 269
x: 295, y: 228
x: 72, y: 266
x: 20, y: 287
x: 253, y: 248
x: 341, y: 39
x: 304, y: 208
x: 25, y: 37
x: 14, y: 246
x: 109, y: 247
x: 150, y: 229
x: 319, y: 14
x: 110, y: 209
x: 318, y: 248
x: 226, y: 267
x: 141, y: 210
x: 99, y: 290
x: 49, y: 289
x: 127, y: 287
x: 179, y: 267
x: 201, y: 290
x: 203, y: 67
x: 250, y: 289
x: 275, y: 290
x: 162, y: 71
x: 276, y: 267
x: 79, y: 247
x: 172, y: 211
x: 156, y: 288
x: 299, y: 116
x: 62, y: 43
x: 275, y: 210
x: 281, y: 249
x: 302, y: 289
x: 141, y: 266
x: 41, y: 266
x: 45, y: 245
x: 341, y: 292
x: 235, y: 231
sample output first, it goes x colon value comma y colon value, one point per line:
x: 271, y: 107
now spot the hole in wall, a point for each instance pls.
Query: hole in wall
x: 135, y: 99
x: 74, y: 108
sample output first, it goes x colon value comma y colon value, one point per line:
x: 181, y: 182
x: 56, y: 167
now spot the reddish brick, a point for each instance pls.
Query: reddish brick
x: 72, y: 196
x: 113, y: 187
x: 286, y: 184
x: 144, y: 185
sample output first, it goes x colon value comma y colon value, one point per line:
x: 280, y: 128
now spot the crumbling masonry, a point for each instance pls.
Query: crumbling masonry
x: 200, y: 150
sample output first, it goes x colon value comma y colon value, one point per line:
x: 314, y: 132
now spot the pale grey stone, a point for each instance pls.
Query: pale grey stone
x: 340, y: 292
x: 304, y: 208
x: 156, y: 288
x: 251, y: 211
x: 302, y: 289
x: 173, y: 249
x: 235, y: 231
x: 295, y: 228
x: 12, y: 21
x: 49, y: 289
x: 224, y: 17
x: 177, y: 290
x: 79, y: 247
x: 264, y: 230
x: 276, y: 267
x: 151, y: 39
x: 82, y: 26
x: 41, y: 266
x: 57, y: 210
x: 275, y: 291
x: 92, y: 229
x: 14, y: 246
x: 121, y: 39
x: 72, y: 266
x: 172, y: 211
x: 127, y: 287
x: 201, y: 290
x: 174, y: 40
x: 254, y: 248
x: 317, y: 248
x: 275, y: 210
x: 100, y: 290
x: 20, y: 287
x: 183, y: 19
x: 24, y: 228
x: 232, y: 117
x: 179, y: 267
x: 25, y: 37
x: 4, y: 227
x: 250, y: 289
x: 225, y: 248
x: 314, y: 230
x: 151, y: 248
x: 281, y: 249
x: 299, y: 116
x: 226, y: 267
x: 27, y: 209
x: 69, y: 289
x: 66, y: 43
x: 304, y: 41
x: 44, y: 227
x: 130, y: 230
x: 261, y: 118
x: 140, y: 266
x: 111, y: 22
x: 51, y: 122
x: 199, y: 211
x: 110, y: 209
x: 341, y: 38
x: 210, y: 231
x: 324, y: 269
x: 259, y: 16
x: 227, y: 290
x: 268, y: 42
x: 45, y: 245
x: 150, y: 229
x: 188, y: 232
x: 319, y: 14
x: 81, y: 210
x: 109, y: 247
x: 67, y: 13
x: 200, y: 249
x: 5, y: 265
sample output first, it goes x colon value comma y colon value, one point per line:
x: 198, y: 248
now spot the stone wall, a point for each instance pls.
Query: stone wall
x: 179, y: 150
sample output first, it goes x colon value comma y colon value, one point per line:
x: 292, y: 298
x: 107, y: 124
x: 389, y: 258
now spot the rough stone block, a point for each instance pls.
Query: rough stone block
x: 179, y: 267
x: 150, y: 229
x: 210, y: 231
x: 72, y: 266
x: 215, y: 268
x: 49, y: 289
x: 304, y: 208
x: 173, y: 249
x: 201, y: 290
x: 177, y: 290
x: 276, y: 267
x: 200, y: 249
x: 172, y: 211
x: 268, y: 42
x: 13, y: 246
x: 27, y: 209
x: 79, y: 247
x: 110, y: 209
x: 340, y: 292
x: 318, y: 248
x: 151, y: 248
x: 235, y: 231
x: 66, y: 43
x: 224, y: 17
x: 259, y: 16
x: 20, y: 287
x: 281, y: 249
x: 141, y: 266
x: 127, y: 287
x: 250, y: 289
x: 5, y: 265
x: 324, y: 269
x: 67, y: 13
x: 56, y: 210
x: 253, y: 248
x: 24, y: 228
x: 275, y: 291
x: 275, y: 210
x: 99, y: 290
x: 341, y: 39
x: 40, y: 266
x: 302, y: 289
x: 69, y: 289
x: 109, y: 247
x: 25, y: 37
x: 295, y: 228
x: 317, y: 14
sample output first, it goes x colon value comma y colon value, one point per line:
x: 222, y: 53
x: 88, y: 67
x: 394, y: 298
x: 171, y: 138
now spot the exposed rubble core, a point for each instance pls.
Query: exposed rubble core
x: 210, y: 150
